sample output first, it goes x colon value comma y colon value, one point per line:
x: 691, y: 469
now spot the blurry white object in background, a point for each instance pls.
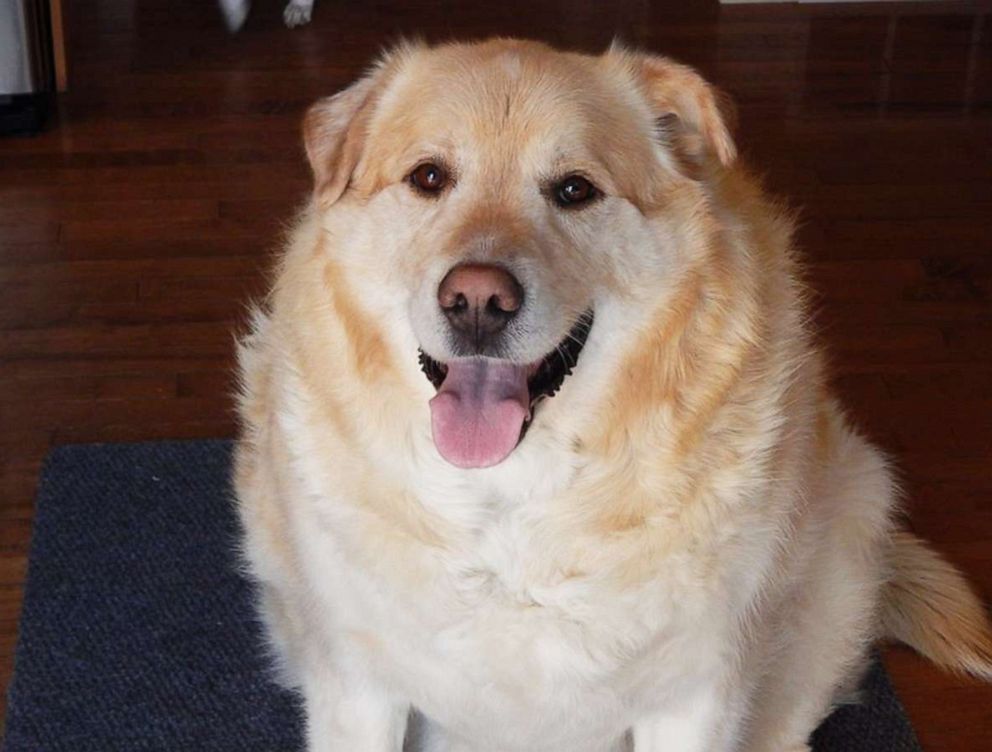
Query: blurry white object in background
x: 235, y: 12
x: 25, y: 63
x: 26, y: 80
x: 297, y: 12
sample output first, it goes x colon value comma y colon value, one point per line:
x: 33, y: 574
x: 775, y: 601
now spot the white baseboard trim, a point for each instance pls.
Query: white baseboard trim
x: 820, y: 2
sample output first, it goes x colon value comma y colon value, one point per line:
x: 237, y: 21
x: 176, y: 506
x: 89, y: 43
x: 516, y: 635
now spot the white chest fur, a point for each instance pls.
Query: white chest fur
x: 495, y: 633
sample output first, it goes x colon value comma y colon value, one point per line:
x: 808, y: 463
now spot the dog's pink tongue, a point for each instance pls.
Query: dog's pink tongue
x: 479, y: 411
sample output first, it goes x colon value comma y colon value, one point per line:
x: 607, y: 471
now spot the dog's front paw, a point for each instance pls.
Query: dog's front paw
x: 297, y: 13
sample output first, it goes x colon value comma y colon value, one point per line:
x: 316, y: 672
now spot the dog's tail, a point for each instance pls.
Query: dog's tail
x: 928, y: 605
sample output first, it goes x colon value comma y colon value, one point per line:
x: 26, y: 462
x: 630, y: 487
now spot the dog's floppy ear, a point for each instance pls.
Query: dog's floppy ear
x: 335, y: 128
x: 334, y: 132
x: 692, y: 117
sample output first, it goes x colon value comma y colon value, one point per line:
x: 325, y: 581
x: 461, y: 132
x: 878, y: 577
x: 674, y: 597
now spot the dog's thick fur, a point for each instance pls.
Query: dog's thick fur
x: 691, y: 549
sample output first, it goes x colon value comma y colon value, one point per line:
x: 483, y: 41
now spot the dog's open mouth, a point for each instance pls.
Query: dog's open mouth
x: 483, y: 406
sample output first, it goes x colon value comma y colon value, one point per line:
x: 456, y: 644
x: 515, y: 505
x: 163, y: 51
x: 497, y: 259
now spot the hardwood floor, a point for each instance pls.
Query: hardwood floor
x: 133, y: 231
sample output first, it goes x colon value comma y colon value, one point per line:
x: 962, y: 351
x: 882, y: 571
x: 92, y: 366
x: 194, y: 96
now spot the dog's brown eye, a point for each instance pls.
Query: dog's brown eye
x: 429, y: 177
x: 574, y: 190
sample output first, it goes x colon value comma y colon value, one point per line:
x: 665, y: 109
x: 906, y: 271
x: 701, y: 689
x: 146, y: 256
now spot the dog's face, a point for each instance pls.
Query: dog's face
x: 490, y: 199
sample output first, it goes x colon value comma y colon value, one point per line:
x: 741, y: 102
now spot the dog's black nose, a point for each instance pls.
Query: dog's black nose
x: 478, y: 301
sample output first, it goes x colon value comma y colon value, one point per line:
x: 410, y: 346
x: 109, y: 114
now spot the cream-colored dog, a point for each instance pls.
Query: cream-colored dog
x: 536, y: 438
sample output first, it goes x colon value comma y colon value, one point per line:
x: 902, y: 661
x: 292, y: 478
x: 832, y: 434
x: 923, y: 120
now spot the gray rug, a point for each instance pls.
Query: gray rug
x: 138, y: 633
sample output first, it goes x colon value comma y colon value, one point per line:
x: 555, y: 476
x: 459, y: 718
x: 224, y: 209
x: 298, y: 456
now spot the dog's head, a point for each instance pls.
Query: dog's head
x: 501, y: 204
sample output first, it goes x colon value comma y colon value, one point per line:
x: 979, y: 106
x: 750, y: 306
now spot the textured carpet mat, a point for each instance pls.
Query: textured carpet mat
x: 137, y: 631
